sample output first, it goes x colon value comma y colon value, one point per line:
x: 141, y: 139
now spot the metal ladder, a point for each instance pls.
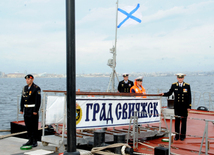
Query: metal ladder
x: 135, y: 130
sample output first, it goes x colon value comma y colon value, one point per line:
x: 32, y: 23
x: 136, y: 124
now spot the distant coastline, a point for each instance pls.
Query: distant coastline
x: 155, y: 74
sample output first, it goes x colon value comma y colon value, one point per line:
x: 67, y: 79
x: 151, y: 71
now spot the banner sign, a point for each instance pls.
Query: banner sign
x: 95, y: 113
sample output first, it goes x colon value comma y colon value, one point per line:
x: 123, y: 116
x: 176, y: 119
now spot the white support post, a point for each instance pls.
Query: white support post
x: 206, y: 137
x: 64, y: 118
x: 18, y: 108
x: 160, y: 115
x: 43, y: 114
x: 170, y: 134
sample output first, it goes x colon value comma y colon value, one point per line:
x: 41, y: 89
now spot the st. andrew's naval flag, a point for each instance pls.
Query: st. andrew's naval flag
x: 129, y: 15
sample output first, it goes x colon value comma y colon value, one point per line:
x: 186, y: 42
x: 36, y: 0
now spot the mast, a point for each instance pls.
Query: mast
x: 71, y: 78
x: 112, y: 62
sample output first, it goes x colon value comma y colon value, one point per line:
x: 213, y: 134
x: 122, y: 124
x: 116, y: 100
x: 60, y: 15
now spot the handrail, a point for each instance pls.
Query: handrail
x: 104, y: 93
x: 54, y: 91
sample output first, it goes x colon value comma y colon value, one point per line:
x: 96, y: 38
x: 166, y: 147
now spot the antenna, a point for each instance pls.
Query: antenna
x: 112, y: 63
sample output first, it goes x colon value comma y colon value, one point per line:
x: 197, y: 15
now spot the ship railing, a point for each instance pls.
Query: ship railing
x: 18, y: 109
x: 135, y: 130
x: 205, y: 99
x: 46, y: 93
x: 205, y: 134
x: 198, y: 98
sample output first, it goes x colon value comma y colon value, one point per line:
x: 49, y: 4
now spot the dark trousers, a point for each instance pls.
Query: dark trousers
x: 31, y: 123
x: 183, y: 122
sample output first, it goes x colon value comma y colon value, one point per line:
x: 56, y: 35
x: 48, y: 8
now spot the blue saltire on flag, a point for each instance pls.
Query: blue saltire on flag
x: 129, y: 15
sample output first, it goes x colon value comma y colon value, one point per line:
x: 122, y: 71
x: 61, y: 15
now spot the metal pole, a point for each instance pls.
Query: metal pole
x: 18, y: 111
x: 170, y: 134
x: 134, y: 132
x: 202, y: 141
x: 160, y: 116
x: 71, y: 78
x: 43, y: 115
x: 114, y: 52
x: 136, y: 117
x: 165, y: 122
x: 108, y: 90
x: 206, y: 137
x: 64, y: 122
x: 116, y: 27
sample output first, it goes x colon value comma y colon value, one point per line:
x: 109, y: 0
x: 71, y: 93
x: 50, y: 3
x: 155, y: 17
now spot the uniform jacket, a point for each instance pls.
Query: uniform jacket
x: 31, y: 96
x: 135, y: 89
x: 124, y: 87
x: 182, y: 99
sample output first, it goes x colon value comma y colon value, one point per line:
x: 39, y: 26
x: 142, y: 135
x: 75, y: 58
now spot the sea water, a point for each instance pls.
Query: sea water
x: 202, y: 90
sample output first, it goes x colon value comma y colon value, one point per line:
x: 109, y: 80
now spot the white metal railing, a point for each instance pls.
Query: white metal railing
x: 198, y: 99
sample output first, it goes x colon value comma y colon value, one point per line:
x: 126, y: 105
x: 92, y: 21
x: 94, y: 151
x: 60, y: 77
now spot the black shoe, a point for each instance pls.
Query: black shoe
x: 176, y: 137
x: 34, y: 144
x: 182, y: 138
x: 30, y: 142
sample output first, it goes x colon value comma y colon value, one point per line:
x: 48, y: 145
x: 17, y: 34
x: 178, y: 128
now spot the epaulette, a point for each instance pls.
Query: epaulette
x: 186, y: 83
x: 175, y: 84
x: 35, y: 86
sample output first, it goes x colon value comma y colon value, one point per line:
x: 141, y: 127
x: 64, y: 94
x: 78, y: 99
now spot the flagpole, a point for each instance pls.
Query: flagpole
x: 112, y: 62
x: 116, y: 27
x: 115, y: 47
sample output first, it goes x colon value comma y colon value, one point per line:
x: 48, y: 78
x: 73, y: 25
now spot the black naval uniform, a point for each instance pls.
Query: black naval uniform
x: 125, y: 87
x: 182, y: 102
x: 31, y: 97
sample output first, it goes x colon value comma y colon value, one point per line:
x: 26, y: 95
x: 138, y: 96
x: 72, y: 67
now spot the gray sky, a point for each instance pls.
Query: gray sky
x: 175, y: 35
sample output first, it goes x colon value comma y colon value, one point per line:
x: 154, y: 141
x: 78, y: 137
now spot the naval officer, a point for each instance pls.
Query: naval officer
x: 30, y: 104
x: 182, y: 103
x: 125, y: 85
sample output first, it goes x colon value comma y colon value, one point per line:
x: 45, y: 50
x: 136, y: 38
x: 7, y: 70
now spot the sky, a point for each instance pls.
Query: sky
x: 174, y: 36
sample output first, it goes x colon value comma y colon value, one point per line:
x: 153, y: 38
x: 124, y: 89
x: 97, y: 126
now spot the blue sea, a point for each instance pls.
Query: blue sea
x: 202, y: 91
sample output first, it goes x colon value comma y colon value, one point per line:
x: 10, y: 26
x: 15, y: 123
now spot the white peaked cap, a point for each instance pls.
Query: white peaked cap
x: 125, y: 74
x: 180, y: 75
x: 139, y: 78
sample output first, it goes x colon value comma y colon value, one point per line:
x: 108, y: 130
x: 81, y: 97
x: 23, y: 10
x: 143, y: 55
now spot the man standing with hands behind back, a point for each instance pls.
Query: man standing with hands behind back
x: 125, y: 85
x: 30, y: 104
x: 182, y: 102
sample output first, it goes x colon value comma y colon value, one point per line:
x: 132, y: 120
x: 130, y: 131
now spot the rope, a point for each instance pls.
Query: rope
x: 98, y: 150
x: 142, y: 153
x: 6, y: 130
x: 18, y: 133
x: 13, y: 134
x: 201, y: 112
x: 192, y: 118
x: 123, y: 150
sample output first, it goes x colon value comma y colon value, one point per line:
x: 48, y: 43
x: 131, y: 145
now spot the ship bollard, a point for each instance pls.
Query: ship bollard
x: 99, y: 143
x: 120, y: 138
x: 99, y: 138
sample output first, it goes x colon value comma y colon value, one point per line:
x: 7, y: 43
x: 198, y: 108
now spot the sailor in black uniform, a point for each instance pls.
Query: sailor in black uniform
x: 182, y: 102
x: 30, y: 104
x: 125, y: 85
